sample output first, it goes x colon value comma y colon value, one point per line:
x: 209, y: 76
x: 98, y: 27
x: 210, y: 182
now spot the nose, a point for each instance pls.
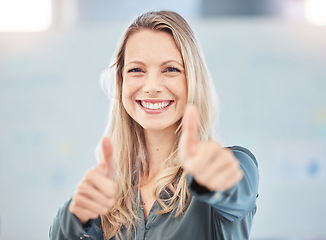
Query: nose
x: 153, y: 85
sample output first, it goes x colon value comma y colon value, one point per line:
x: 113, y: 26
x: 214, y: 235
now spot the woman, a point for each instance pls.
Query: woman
x: 160, y: 175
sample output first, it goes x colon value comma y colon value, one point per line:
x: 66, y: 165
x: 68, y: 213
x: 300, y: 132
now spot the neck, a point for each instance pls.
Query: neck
x: 159, y: 145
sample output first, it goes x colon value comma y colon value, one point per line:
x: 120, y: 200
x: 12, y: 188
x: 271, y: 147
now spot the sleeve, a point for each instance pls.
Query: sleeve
x: 238, y: 201
x: 66, y: 226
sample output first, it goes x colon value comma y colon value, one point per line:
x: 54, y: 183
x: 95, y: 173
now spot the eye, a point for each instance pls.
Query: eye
x: 135, y: 70
x: 172, y: 69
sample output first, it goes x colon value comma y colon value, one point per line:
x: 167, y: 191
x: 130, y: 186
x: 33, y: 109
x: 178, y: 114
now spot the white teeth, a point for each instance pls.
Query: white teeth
x: 155, y: 106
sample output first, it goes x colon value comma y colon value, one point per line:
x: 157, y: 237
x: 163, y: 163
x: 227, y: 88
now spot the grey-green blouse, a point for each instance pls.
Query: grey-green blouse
x: 210, y: 215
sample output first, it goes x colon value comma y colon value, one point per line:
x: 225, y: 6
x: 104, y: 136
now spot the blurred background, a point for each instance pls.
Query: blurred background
x: 268, y: 62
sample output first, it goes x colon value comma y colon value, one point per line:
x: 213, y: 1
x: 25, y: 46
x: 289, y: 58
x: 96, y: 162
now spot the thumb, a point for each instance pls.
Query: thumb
x: 189, y: 136
x: 107, y: 151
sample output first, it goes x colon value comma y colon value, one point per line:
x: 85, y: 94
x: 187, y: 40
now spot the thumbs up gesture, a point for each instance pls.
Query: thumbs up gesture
x: 95, y: 194
x: 211, y: 165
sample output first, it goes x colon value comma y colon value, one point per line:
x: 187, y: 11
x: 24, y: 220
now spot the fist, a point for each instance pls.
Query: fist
x: 211, y: 165
x: 95, y: 194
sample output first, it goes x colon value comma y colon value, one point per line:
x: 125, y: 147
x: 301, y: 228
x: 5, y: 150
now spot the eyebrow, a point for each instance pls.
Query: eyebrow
x: 135, y: 62
x: 168, y: 61
x: 162, y: 64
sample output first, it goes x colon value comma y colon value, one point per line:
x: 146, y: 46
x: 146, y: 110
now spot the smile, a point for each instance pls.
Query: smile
x: 154, y: 105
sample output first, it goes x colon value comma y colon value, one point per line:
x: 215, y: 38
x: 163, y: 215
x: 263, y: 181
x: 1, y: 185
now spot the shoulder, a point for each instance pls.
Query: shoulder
x: 249, y: 165
x: 243, y: 154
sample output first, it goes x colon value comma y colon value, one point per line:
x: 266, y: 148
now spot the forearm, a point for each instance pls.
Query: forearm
x: 240, y: 199
x: 66, y: 226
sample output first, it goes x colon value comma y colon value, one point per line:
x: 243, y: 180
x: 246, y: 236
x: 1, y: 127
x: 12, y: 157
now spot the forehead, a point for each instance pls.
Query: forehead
x: 151, y: 45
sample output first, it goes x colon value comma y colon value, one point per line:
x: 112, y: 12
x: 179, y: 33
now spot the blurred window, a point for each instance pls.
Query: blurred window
x: 25, y: 15
x: 315, y: 11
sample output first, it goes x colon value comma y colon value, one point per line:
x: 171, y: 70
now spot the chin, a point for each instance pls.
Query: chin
x: 159, y: 126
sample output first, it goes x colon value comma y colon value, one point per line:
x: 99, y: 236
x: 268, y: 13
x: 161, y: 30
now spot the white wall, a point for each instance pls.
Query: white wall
x: 271, y: 79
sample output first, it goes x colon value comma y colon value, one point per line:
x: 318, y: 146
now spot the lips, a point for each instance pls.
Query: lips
x: 154, y: 104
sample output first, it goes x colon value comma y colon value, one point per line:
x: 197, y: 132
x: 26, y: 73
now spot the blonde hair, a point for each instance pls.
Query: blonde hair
x: 128, y: 137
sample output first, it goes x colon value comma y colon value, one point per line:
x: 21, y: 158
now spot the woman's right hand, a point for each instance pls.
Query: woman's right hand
x: 95, y: 194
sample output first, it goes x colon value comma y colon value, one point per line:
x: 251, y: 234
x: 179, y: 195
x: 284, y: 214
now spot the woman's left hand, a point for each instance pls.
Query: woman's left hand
x: 212, y: 165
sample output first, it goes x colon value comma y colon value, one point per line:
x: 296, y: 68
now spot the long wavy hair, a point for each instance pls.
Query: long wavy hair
x: 130, y: 159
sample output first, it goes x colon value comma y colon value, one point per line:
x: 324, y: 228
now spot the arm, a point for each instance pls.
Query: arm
x: 79, y: 218
x: 238, y: 201
x: 66, y: 226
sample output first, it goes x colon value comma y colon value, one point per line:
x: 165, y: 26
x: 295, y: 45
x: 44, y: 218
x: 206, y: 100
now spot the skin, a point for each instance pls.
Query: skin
x: 153, y: 73
x: 95, y: 194
x: 208, y: 162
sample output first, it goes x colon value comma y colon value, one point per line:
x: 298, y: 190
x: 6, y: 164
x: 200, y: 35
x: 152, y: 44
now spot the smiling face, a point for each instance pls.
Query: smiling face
x: 154, y: 89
